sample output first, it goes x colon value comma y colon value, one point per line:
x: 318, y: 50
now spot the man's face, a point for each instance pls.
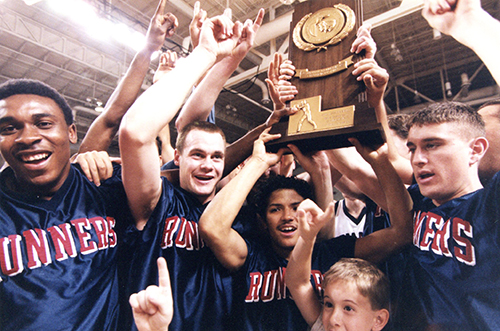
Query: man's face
x: 35, y: 141
x: 441, y: 161
x: 201, y: 163
x: 281, y: 219
x: 490, y: 163
x: 345, y: 308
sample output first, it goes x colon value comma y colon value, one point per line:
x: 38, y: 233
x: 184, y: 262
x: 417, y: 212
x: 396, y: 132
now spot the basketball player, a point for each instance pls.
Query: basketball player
x: 167, y: 215
x: 453, y: 267
x: 59, y: 231
x: 267, y: 306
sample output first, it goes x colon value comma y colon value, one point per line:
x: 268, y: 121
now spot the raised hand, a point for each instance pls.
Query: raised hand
x: 248, y: 36
x: 165, y: 65
x: 369, y: 153
x: 219, y: 35
x: 153, y: 307
x: 259, y: 148
x: 199, y: 16
x: 374, y: 77
x: 364, y: 41
x: 160, y: 27
x: 272, y: 80
x: 286, y: 90
x: 311, y: 162
x: 312, y: 218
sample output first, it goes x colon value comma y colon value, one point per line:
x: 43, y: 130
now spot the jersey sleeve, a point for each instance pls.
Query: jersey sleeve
x: 328, y: 252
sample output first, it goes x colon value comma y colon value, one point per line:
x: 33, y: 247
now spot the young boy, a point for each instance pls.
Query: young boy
x: 356, y: 294
x: 355, y: 297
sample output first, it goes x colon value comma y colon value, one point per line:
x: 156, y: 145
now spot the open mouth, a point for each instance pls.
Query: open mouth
x: 34, y: 158
x: 423, y: 176
x: 287, y: 228
x: 204, y: 178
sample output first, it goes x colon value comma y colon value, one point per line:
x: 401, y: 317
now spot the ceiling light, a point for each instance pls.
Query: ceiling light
x: 396, y: 53
x: 287, y: 2
x: 447, y: 86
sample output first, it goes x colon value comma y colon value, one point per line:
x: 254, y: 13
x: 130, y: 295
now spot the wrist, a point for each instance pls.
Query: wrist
x: 273, y: 118
x: 258, y: 163
x: 206, y: 52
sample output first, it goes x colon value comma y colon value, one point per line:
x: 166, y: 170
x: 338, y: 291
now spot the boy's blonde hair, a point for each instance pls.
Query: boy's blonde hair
x: 370, y: 281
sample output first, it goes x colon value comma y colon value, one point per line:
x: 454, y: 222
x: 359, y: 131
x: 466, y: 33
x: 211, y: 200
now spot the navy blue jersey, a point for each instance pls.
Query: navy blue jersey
x: 455, y: 269
x: 58, y: 257
x: 267, y: 303
x: 201, y: 286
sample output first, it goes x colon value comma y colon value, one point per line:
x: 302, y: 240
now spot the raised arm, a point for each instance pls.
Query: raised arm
x: 298, y: 271
x: 380, y: 244
x: 150, y: 113
x: 318, y: 167
x: 215, y: 223
x: 200, y: 102
x: 470, y: 25
x: 104, y: 128
x: 238, y: 151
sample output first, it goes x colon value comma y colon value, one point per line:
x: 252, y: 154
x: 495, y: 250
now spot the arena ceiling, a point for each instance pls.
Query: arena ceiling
x: 38, y: 42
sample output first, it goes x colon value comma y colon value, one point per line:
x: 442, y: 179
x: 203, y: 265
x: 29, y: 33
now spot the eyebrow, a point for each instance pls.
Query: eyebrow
x: 426, y: 140
x: 293, y: 204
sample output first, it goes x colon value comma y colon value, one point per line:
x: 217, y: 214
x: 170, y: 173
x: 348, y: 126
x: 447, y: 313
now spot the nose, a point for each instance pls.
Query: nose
x: 335, y: 317
x: 28, y: 135
x: 289, y: 213
x: 418, y: 157
x: 207, y: 164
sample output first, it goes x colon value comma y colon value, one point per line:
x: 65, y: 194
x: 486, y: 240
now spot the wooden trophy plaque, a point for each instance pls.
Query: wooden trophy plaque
x: 331, y: 103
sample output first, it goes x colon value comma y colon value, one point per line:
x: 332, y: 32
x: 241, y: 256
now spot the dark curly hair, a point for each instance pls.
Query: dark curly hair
x: 259, y: 197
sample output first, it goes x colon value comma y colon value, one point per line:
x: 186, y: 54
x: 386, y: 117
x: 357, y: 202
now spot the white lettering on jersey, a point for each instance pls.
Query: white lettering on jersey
x: 38, y: 250
x: 447, y: 237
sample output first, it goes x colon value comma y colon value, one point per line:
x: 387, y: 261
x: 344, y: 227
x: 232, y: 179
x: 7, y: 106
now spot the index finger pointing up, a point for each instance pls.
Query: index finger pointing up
x: 161, y: 7
x: 163, y: 275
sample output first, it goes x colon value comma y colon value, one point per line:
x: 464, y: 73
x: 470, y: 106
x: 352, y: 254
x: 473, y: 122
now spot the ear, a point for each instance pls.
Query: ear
x: 176, y: 157
x: 73, y: 137
x: 478, y: 147
x: 381, y: 319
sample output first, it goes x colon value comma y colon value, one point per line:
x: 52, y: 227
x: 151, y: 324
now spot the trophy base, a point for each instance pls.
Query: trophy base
x: 325, y: 140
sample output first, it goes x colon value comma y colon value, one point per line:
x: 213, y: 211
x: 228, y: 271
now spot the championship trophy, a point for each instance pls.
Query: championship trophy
x: 331, y: 103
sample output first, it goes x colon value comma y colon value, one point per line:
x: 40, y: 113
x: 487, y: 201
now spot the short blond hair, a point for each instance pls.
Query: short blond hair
x: 370, y: 281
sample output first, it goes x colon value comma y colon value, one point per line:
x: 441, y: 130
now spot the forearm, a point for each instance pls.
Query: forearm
x: 479, y: 32
x: 229, y: 201
x: 104, y: 128
x: 241, y: 149
x: 298, y: 274
x: 323, y: 190
x: 402, y: 166
x: 215, y: 223
x: 398, y: 200
x: 156, y: 107
x: 201, y: 101
x: 354, y: 167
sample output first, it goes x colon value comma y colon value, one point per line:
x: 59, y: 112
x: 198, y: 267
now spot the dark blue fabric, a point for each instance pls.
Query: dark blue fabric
x: 73, y: 287
x: 454, y: 269
x: 201, y: 287
x: 270, y: 306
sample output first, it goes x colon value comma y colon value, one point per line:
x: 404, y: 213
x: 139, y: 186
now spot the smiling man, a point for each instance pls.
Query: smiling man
x: 56, y: 225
